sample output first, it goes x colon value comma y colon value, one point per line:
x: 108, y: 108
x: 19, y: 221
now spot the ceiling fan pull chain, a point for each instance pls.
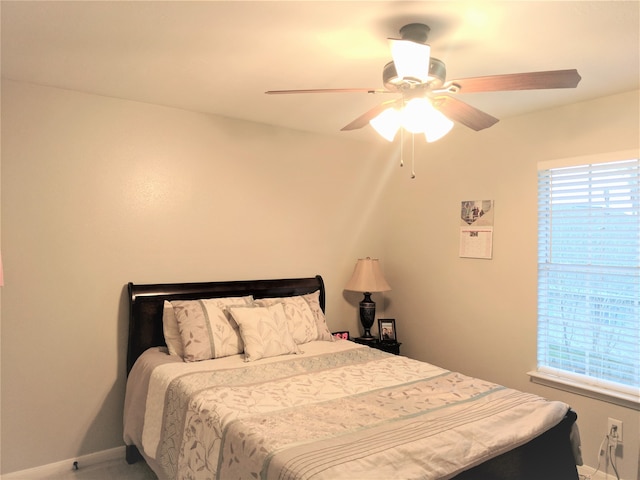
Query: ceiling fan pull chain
x: 413, y: 155
x: 402, y: 147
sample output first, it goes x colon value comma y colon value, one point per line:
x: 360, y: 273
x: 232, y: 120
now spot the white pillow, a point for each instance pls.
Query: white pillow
x: 313, y: 299
x: 300, y: 319
x: 264, y: 331
x: 205, y: 329
x: 304, y: 316
x: 171, y: 332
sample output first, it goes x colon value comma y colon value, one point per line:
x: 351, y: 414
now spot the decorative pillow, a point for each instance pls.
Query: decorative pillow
x: 313, y: 299
x: 264, y: 331
x: 302, y: 323
x: 304, y: 315
x: 171, y: 332
x: 206, y: 328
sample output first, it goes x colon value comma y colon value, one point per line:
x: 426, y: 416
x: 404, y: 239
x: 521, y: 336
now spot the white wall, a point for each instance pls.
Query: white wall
x: 479, y: 316
x: 97, y: 192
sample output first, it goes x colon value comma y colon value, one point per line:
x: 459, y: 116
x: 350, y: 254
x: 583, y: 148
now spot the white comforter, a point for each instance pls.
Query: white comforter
x: 337, y: 411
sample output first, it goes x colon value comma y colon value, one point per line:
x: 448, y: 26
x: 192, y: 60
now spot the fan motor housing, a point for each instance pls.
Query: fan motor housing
x: 437, y: 76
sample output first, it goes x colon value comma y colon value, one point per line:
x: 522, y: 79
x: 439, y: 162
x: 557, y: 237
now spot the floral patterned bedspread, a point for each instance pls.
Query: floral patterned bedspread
x: 353, y: 413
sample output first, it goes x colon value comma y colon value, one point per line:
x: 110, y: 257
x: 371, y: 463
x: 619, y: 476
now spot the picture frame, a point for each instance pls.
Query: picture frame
x: 387, y: 330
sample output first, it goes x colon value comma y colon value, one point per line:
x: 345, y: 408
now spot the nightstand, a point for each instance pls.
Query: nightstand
x: 389, y: 347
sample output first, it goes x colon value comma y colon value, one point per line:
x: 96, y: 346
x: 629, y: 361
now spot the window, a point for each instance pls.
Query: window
x: 589, y: 275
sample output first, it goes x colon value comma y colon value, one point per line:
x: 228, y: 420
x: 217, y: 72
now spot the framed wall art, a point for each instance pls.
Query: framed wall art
x: 476, y: 229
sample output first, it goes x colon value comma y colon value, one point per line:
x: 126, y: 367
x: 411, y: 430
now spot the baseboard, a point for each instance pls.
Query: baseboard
x: 65, y: 466
x: 59, y: 468
x: 587, y: 473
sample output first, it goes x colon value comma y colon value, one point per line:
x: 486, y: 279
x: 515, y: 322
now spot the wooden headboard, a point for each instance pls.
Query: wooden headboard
x: 146, y: 303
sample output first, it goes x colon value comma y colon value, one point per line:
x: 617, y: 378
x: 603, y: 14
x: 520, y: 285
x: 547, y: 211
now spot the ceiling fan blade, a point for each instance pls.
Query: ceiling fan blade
x: 363, y: 119
x: 463, y: 113
x: 329, y: 90
x: 519, y: 81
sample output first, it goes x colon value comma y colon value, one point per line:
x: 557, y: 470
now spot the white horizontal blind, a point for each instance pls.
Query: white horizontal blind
x: 589, y: 274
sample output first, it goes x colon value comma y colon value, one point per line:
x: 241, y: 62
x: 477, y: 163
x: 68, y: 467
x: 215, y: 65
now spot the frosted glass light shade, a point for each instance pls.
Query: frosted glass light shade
x: 415, y: 115
x: 438, y: 126
x: 420, y: 116
x: 411, y: 59
x: 387, y: 123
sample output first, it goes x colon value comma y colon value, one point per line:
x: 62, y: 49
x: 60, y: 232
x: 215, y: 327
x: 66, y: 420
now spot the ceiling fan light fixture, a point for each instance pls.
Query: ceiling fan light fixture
x: 415, y: 115
x: 387, y: 123
x: 420, y: 116
x: 411, y: 60
x: 438, y: 127
x: 414, y: 73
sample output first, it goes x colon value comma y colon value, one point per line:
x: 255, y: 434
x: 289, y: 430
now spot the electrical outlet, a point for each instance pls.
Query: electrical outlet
x: 614, y: 428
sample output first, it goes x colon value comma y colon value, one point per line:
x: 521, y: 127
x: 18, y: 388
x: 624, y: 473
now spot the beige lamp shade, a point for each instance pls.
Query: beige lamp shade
x: 367, y: 277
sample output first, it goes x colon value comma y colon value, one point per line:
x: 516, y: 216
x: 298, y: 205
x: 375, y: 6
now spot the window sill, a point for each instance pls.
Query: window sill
x: 603, y: 394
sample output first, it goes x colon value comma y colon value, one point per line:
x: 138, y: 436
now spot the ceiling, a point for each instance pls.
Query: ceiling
x: 219, y: 57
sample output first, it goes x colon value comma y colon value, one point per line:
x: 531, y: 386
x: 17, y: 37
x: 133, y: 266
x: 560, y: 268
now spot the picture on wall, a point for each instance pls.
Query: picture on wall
x: 476, y: 229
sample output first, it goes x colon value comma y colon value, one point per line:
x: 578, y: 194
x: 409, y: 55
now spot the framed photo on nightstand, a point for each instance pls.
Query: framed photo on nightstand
x: 387, y: 329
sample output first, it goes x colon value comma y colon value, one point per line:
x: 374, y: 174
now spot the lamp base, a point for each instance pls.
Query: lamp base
x: 367, y: 315
x: 370, y: 338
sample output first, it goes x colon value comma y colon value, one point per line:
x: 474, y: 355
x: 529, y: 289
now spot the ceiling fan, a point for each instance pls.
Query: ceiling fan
x: 428, y: 102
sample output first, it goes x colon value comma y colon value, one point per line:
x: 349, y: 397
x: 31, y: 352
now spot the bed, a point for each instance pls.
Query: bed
x: 309, y: 406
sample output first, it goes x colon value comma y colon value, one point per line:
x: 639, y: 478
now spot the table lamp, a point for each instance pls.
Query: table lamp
x: 367, y: 278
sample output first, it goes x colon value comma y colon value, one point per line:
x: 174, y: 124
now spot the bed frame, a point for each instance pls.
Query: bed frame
x: 548, y: 457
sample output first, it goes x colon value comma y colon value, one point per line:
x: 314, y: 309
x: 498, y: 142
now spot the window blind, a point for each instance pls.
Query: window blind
x: 589, y: 274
